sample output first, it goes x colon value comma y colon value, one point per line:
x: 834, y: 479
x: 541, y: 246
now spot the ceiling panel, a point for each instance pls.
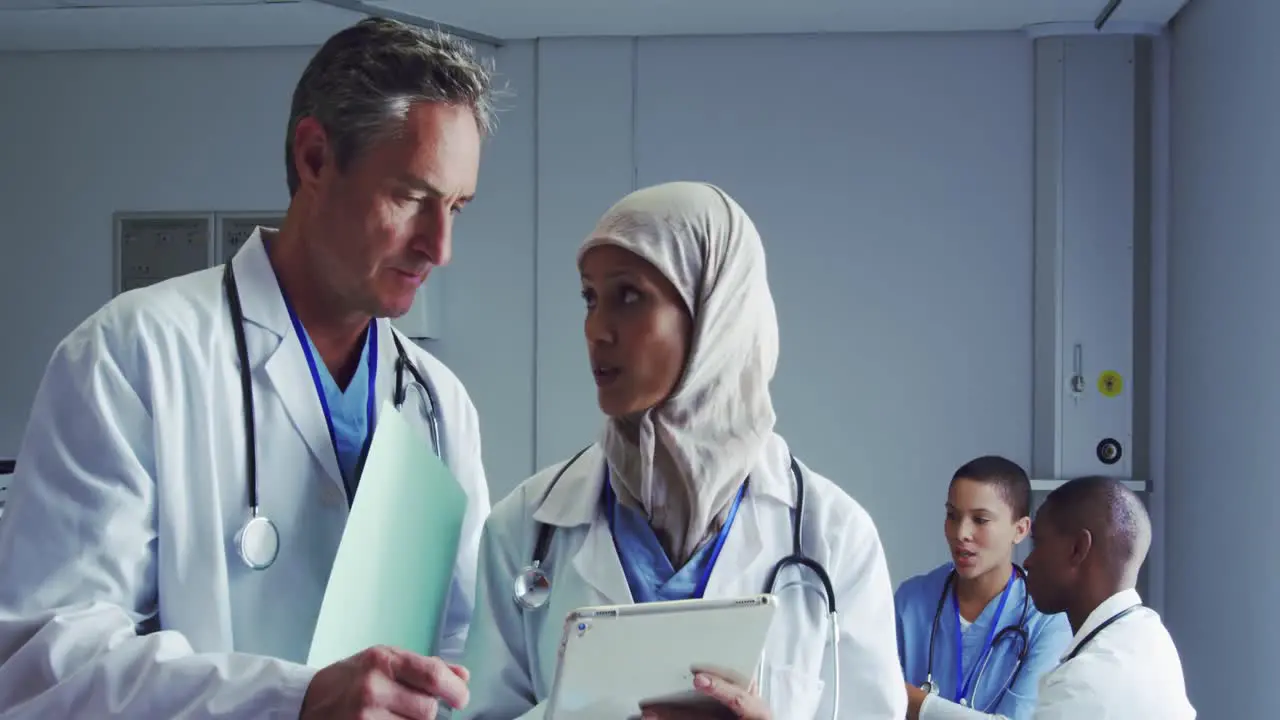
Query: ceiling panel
x: 28, y: 4
x: 203, y: 26
x: 124, y: 24
x: 153, y: 3
x: 550, y: 18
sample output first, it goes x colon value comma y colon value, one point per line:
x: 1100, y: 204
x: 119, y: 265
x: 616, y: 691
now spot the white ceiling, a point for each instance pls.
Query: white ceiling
x: 122, y: 24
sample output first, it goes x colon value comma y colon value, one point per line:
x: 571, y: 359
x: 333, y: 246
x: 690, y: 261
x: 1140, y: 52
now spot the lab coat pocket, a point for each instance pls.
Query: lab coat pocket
x: 792, y: 693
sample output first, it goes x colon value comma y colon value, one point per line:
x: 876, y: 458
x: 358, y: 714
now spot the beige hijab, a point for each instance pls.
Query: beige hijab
x: 688, y: 456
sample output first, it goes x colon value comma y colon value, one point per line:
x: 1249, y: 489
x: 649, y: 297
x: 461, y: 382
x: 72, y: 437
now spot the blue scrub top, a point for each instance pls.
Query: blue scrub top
x: 349, y: 411
x: 649, y: 572
x: 916, y: 602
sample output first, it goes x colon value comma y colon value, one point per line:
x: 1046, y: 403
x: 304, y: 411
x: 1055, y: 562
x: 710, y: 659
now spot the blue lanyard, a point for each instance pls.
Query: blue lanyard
x: 963, y: 690
x: 324, y: 403
x: 611, y: 503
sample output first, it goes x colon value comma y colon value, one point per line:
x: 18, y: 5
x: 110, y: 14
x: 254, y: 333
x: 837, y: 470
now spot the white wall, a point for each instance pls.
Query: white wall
x: 890, y: 176
x: 1223, y: 355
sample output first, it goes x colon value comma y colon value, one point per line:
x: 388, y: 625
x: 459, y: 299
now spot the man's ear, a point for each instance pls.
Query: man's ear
x: 1080, y: 547
x: 311, y: 150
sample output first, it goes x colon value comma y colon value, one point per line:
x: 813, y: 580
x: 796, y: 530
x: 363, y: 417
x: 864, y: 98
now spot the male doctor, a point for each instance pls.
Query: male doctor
x: 122, y: 593
x: 1090, y: 538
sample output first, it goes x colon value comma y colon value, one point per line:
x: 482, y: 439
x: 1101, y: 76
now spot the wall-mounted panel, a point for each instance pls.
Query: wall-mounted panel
x: 1092, y: 265
x: 1097, y: 261
x: 152, y: 247
x: 234, y: 228
x: 1092, y: 223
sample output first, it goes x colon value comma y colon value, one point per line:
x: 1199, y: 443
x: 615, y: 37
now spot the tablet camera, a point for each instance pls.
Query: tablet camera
x: 583, y: 628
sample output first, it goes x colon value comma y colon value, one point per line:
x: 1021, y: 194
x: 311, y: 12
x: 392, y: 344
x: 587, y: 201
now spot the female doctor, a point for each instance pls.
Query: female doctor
x: 973, y: 644
x: 683, y: 341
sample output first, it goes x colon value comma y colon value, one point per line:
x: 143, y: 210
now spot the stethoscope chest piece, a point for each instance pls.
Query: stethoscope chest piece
x: 532, y: 587
x: 258, y: 542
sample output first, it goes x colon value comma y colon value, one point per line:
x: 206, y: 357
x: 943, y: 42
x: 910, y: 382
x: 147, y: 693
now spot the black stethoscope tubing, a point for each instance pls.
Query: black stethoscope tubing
x: 546, y: 532
x: 1018, y: 631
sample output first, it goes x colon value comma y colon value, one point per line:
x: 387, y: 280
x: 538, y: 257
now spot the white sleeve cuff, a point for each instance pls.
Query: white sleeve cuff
x: 938, y: 708
x: 294, y: 682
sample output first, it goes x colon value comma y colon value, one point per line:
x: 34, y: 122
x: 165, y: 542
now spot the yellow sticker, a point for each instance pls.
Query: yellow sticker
x: 1110, y: 383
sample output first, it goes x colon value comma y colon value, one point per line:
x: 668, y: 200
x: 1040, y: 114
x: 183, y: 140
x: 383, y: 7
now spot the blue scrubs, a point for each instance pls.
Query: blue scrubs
x: 916, y: 602
x: 348, y: 411
x: 649, y: 572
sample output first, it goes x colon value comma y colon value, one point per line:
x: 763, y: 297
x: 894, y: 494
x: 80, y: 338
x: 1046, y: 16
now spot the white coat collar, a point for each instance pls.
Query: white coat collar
x: 574, y: 500
x: 260, y: 295
x: 1109, y: 608
x: 263, y: 305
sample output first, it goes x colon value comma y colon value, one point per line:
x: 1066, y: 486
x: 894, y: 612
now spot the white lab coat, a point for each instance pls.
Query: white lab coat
x: 131, y: 485
x: 1129, y: 671
x: 512, y: 653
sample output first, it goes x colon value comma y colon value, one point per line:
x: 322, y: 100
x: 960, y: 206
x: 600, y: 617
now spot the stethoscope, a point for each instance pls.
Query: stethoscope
x: 258, y: 540
x: 532, y: 586
x: 1102, y: 626
x: 1018, y: 632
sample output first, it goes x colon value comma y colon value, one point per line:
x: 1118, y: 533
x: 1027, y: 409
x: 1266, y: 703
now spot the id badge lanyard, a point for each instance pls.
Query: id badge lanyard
x: 965, y: 684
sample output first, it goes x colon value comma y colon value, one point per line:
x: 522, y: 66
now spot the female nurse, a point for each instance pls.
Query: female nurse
x: 688, y: 492
x: 972, y: 643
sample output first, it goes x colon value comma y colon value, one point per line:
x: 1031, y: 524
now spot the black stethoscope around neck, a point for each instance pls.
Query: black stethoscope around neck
x: 1101, y: 626
x: 1019, y: 634
x: 532, y: 585
x: 258, y: 539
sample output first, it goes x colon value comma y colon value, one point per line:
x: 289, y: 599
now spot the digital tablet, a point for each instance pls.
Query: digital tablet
x: 614, y: 659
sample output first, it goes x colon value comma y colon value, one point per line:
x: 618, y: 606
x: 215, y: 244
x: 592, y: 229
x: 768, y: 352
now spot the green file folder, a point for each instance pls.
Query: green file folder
x: 392, y: 573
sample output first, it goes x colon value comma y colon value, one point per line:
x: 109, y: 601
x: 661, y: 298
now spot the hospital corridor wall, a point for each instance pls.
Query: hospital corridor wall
x: 1224, y: 348
x: 890, y: 176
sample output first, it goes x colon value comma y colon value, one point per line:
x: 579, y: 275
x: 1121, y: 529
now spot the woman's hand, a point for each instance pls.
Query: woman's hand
x: 738, y: 703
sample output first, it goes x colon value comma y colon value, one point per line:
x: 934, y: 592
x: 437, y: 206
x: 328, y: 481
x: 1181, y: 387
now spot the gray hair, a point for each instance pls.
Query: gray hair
x: 363, y: 80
